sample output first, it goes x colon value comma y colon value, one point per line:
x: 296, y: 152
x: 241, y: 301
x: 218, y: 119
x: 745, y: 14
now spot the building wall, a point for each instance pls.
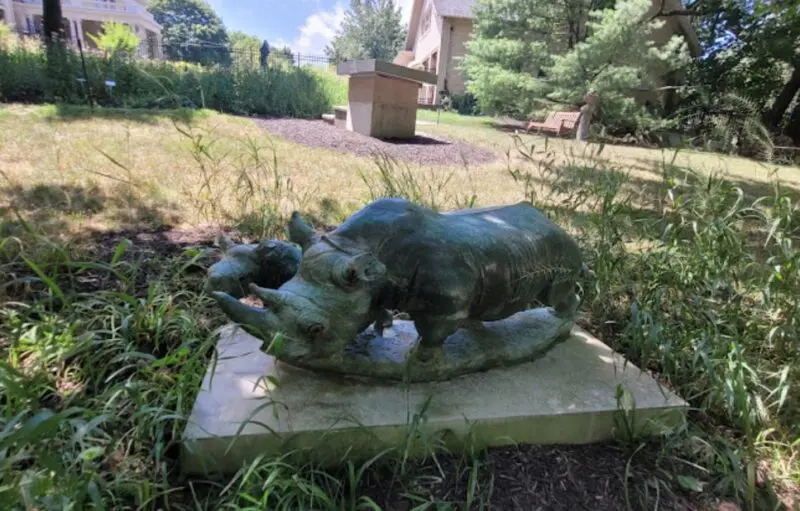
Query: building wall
x: 428, y: 41
x: 459, y: 35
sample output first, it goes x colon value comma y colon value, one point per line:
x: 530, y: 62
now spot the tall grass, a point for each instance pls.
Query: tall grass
x: 697, y: 282
x: 104, y: 353
x: 26, y: 75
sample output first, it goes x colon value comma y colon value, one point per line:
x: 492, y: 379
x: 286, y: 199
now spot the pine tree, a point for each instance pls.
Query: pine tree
x: 512, y: 41
x: 527, y: 53
x: 617, y: 58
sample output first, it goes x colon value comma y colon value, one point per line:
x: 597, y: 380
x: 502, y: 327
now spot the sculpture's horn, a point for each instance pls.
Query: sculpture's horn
x: 300, y: 232
x: 272, y: 299
x: 258, y: 322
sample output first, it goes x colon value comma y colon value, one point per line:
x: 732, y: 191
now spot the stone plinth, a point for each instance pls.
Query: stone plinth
x: 253, y: 405
x: 383, y: 98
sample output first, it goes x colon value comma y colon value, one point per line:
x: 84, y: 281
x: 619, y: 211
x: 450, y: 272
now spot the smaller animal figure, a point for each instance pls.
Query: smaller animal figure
x: 268, y: 264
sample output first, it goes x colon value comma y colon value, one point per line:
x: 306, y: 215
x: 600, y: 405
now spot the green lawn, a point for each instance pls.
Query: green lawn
x: 141, y: 168
x: 106, y: 335
x: 454, y: 118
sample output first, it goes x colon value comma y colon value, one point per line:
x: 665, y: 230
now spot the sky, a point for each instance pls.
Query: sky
x: 306, y: 26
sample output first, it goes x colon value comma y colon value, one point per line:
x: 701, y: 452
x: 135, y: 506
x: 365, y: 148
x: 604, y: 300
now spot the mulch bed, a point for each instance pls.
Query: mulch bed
x: 595, y: 477
x: 424, y: 149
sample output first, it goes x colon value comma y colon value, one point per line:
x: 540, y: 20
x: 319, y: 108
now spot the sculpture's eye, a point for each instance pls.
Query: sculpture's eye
x: 350, y: 276
x: 347, y: 277
x: 315, y: 330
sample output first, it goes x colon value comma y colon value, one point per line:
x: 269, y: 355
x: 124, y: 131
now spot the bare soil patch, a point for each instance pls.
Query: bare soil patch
x: 424, y: 149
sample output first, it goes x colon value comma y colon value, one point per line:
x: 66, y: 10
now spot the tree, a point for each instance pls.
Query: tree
x: 512, y: 43
x: 617, y: 58
x: 51, y: 21
x: 117, y: 40
x: 752, y: 51
x: 191, y: 31
x: 245, y: 49
x: 526, y: 53
x: 372, y: 29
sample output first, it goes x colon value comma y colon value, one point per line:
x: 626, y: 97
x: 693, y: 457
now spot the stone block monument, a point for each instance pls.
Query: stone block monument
x: 382, y: 97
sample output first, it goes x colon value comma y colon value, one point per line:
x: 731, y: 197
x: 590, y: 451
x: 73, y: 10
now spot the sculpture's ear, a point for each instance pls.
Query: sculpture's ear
x: 366, y: 268
x: 300, y: 232
x: 223, y: 242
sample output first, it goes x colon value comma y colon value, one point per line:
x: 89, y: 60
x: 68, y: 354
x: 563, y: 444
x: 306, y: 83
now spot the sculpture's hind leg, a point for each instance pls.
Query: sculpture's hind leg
x: 433, y: 332
x: 563, y: 298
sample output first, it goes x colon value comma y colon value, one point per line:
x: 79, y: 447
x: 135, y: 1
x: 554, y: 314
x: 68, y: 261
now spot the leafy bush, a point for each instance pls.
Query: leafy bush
x: 727, y: 122
x: 117, y: 40
x: 465, y: 104
x: 280, y: 90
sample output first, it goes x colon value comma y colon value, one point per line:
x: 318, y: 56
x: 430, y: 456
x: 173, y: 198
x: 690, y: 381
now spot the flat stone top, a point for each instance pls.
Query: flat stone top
x: 577, y: 376
x: 354, y: 67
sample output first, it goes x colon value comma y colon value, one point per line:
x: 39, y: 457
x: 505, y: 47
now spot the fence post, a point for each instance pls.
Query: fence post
x: 86, y: 78
x: 264, y: 54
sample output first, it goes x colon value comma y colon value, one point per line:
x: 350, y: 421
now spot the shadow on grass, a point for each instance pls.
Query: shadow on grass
x: 71, y: 113
x: 54, y: 209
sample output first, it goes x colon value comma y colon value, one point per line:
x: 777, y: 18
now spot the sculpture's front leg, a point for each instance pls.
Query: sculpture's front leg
x: 383, y: 320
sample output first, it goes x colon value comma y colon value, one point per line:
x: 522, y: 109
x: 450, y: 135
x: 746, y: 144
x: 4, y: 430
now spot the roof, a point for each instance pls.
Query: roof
x: 454, y: 8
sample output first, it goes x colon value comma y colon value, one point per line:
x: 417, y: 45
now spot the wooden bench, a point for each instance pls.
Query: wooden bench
x: 556, y: 122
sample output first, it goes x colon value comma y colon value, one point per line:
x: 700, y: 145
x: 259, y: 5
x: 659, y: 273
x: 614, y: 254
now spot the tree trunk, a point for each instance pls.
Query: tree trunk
x: 51, y: 20
x: 793, y: 129
x: 585, y: 117
x: 773, y: 117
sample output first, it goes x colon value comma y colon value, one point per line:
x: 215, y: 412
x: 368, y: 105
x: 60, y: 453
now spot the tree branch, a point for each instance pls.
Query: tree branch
x: 694, y: 11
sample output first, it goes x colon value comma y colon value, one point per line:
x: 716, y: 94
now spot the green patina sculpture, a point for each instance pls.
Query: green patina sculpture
x: 483, y: 287
x: 269, y: 263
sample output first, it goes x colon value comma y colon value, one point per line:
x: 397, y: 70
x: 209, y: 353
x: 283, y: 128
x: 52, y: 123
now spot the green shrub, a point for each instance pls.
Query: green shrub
x: 116, y: 40
x: 279, y: 90
x: 464, y: 104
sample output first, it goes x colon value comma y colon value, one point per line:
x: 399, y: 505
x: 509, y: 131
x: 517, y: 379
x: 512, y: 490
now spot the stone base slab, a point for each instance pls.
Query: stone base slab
x: 251, y: 405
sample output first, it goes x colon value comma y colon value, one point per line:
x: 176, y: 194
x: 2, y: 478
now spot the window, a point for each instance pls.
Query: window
x: 425, y: 22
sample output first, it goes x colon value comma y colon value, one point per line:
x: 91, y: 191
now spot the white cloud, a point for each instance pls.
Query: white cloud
x: 405, y: 7
x: 321, y: 26
x: 316, y: 32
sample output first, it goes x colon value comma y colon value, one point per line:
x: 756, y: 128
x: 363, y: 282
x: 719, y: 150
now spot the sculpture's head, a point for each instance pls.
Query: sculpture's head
x: 268, y: 263
x: 324, y: 306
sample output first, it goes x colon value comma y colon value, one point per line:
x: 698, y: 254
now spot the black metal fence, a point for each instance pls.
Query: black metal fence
x: 198, y: 53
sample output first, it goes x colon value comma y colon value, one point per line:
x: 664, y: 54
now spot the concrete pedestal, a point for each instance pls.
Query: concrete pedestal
x: 383, y: 98
x: 250, y: 405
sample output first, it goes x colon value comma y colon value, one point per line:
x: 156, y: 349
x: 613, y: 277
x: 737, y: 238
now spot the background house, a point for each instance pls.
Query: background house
x: 439, y: 29
x: 83, y: 17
